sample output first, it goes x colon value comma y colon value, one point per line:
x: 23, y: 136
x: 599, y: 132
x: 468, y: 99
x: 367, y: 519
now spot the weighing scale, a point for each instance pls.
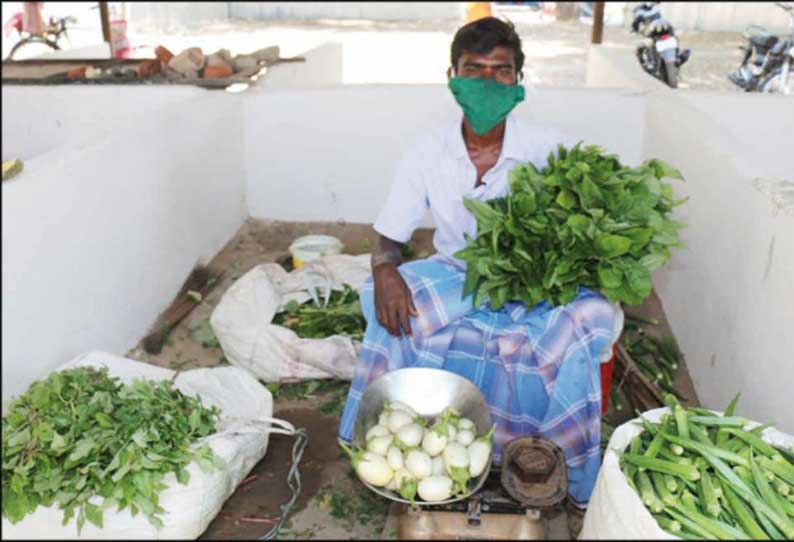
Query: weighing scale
x: 531, y: 480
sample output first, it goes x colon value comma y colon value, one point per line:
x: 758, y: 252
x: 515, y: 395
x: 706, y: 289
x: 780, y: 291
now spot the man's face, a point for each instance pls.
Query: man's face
x: 499, y: 65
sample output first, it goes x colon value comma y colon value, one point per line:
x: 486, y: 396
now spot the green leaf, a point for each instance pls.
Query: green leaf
x: 19, y: 438
x: 566, y: 199
x: 612, y: 246
x: 183, y: 476
x: 82, y: 449
x: 651, y: 262
x: 589, y: 194
x: 93, y: 514
x: 609, y: 276
x: 663, y: 169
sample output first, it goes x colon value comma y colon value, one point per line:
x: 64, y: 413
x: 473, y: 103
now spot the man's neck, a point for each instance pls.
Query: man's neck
x: 491, y: 138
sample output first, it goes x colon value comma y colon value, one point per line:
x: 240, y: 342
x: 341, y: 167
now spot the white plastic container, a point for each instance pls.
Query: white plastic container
x: 310, y: 247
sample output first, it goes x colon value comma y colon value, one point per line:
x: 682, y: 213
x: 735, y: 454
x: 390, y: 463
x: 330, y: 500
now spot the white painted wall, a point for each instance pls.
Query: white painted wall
x: 323, y: 67
x: 37, y: 119
x: 729, y: 296
x: 99, y: 234
x: 617, y: 67
x: 340, y: 145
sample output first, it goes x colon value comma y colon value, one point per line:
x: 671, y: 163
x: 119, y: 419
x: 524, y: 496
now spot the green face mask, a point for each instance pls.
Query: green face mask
x: 485, y: 102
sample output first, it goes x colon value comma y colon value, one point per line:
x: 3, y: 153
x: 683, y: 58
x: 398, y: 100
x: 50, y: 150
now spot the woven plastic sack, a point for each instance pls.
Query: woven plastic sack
x: 242, y: 320
x: 615, y: 510
x: 241, y: 441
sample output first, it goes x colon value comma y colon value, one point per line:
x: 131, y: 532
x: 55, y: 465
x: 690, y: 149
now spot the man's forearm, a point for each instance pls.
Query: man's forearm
x: 386, y: 251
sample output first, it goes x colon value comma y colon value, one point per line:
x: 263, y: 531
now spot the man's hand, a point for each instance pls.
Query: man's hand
x: 393, y: 300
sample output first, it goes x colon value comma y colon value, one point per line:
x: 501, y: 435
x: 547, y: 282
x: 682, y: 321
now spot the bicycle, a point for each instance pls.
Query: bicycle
x: 53, y: 33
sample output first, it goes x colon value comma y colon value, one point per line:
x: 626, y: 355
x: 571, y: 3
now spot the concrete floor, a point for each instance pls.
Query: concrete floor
x: 333, y: 504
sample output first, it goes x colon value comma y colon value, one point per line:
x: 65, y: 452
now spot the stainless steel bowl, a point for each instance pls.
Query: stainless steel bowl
x: 428, y: 392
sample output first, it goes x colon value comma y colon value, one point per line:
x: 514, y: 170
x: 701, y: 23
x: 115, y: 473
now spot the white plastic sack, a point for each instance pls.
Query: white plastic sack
x: 241, y: 441
x: 242, y: 320
x: 615, y: 510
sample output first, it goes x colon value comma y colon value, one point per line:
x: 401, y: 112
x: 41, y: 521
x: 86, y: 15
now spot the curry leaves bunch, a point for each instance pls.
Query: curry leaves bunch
x: 83, y: 441
x: 583, y: 220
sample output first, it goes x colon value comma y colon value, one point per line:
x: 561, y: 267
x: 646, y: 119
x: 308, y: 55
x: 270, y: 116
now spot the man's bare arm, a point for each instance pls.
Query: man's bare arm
x: 393, y: 300
x: 386, y: 251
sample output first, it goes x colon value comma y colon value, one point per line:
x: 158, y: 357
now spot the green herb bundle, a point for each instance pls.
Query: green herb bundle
x: 584, y: 220
x: 342, y: 316
x: 86, y: 442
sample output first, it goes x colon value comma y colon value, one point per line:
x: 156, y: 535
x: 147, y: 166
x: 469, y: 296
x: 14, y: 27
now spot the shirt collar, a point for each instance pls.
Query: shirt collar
x: 511, y: 146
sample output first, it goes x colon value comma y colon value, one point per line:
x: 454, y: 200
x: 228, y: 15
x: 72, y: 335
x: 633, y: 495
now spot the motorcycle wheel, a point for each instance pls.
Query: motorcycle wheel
x: 774, y: 83
x: 670, y: 74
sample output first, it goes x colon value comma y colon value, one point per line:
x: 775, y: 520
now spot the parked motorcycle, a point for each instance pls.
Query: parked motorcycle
x: 658, y: 53
x: 768, y: 59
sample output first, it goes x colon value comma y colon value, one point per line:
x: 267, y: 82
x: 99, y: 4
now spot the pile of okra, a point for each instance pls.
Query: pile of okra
x: 705, y: 476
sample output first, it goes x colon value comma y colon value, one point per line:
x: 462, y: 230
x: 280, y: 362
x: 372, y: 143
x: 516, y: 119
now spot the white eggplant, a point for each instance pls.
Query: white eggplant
x: 435, y: 488
x: 418, y: 463
x: 452, y: 432
x: 380, y: 445
x: 465, y: 423
x: 464, y: 437
x: 395, y: 458
x: 399, y: 405
x: 438, y: 466
x: 397, y: 419
x: 370, y: 467
x: 383, y: 419
x: 455, y: 455
x: 410, y: 435
x: 434, y: 441
x: 456, y: 462
x: 480, y: 453
x: 402, y: 475
x: 377, y: 431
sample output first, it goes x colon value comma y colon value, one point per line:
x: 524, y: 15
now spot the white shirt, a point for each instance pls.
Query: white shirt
x: 436, y: 173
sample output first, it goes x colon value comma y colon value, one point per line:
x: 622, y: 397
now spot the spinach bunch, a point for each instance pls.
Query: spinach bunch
x: 584, y: 220
x: 86, y: 442
x: 342, y: 316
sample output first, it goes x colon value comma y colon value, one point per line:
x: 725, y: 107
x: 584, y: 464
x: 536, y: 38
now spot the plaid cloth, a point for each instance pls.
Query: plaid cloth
x: 538, y: 369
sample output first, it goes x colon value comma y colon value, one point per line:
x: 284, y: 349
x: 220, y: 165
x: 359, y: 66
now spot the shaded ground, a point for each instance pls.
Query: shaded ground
x: 333, y: 504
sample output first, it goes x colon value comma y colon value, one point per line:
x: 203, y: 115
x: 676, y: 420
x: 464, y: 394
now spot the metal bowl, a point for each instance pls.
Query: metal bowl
x: 428, y: 392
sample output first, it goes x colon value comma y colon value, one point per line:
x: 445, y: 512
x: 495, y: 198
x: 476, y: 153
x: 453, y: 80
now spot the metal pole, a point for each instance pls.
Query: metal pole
x: 598, y: 22
x: 105, y: 17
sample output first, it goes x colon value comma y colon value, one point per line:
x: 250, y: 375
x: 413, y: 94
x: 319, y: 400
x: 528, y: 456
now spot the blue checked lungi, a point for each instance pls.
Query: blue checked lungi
x: 537, y: 368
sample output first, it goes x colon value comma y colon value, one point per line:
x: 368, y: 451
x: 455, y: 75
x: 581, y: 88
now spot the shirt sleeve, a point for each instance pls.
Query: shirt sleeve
x: 406, y: 203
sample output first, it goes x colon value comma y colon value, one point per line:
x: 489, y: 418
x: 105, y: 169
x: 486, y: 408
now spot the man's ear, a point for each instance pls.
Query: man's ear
x: 519, y: 77
x: 449, y: 73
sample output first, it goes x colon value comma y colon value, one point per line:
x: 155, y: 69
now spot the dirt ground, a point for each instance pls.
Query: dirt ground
x: 333, y: 504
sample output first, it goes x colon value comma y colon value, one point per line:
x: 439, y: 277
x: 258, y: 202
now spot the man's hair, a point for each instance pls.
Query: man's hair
x: 483, y: 35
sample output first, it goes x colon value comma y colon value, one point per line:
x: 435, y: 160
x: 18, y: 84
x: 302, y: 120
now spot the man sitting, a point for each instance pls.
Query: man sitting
x: 537, y: 367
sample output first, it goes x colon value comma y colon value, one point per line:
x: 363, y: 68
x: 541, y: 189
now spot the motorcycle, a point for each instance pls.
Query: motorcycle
x: 768, y: 59
x: 658, y: 54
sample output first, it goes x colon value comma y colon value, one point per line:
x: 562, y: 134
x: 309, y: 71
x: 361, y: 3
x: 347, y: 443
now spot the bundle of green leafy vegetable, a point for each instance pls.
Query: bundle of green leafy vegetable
x: 80, y: 435
x: 584, y: 220
x: 342, y: 316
